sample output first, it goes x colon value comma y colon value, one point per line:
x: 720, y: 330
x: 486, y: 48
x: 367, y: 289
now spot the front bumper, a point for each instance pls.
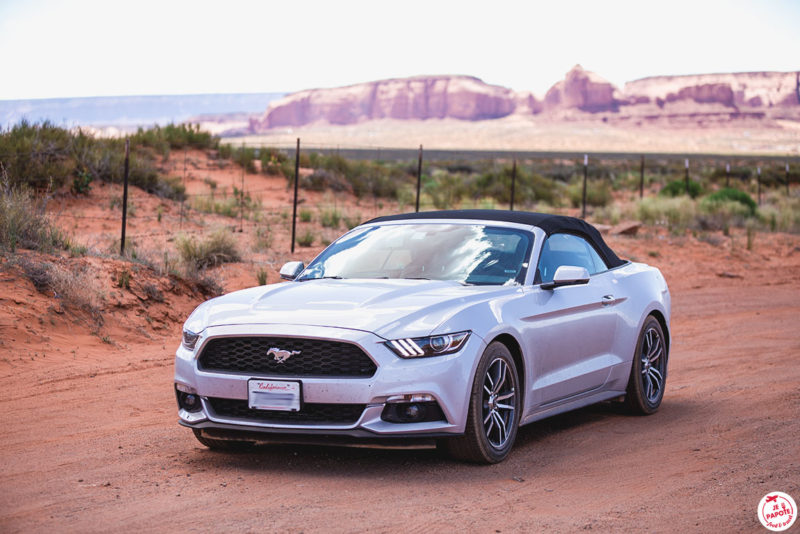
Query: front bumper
x: 448, y: 379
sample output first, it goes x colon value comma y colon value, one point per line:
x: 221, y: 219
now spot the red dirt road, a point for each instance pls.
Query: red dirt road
x: 91, y: 440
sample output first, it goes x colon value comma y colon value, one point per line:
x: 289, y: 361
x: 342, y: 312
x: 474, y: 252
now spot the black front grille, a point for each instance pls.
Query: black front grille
x: 314, y: 357
x: 309, y: 413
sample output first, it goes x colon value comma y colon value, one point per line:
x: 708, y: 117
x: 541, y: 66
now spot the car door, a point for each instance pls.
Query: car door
x: 570, y: 329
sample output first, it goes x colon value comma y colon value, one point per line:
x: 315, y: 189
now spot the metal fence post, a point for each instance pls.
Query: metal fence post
x: 758, y: 179
x: 787, y: 179
x: 296, y: 180
x: 419, y: 177
x: 585, y: 174
x: 241, y: 193
x: 513, y: 183
x: 727, y: 175
x: 125, y: 197
x: 686, y: 163
x: 641, y: 179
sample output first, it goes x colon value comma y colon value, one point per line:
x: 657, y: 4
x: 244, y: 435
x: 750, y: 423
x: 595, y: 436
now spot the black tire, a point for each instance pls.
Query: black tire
x: 494, y: 410
x: 648, y: 371
x: 222, y: 444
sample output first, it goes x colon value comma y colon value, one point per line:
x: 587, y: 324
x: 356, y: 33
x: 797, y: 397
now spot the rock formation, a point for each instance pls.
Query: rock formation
x: 423, y: 97
x: 582, y: 90
x: 581, y: 95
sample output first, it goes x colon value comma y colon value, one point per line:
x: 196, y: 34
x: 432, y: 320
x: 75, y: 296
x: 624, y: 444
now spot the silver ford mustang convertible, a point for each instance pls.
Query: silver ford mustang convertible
x: 450, y: 328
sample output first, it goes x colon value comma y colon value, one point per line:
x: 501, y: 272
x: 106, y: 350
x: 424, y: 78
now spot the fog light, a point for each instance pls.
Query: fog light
x: 189, y: 401
x: 412, y: 412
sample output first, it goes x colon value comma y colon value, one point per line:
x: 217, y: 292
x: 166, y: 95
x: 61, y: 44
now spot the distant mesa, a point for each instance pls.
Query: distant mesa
x: 421, y: 97
x: 581, y: 95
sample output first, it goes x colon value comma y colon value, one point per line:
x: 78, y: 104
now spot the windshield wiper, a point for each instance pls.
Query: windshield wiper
x: 322, y: 278
x: 415, y: 278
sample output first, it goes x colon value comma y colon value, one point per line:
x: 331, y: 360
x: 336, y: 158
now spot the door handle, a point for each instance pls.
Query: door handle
x: 608, y: 299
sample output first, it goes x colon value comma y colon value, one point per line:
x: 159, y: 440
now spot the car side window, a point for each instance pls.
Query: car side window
x: 567, y: 249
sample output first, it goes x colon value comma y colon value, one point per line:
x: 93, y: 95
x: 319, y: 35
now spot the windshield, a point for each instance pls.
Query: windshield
x: 466, y: 253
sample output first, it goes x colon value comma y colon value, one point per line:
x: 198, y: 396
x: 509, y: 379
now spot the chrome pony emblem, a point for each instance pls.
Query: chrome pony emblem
x: 281, y: 355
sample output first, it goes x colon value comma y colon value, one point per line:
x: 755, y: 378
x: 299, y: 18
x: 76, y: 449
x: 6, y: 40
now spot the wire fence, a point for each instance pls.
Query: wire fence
x: 389, y: 179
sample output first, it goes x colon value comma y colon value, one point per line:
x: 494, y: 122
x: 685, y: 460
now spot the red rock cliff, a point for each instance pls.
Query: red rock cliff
x: 424, y: 97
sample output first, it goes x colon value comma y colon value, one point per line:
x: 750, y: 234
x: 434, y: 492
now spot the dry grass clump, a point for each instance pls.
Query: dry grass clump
x: 218, y: 248
x: 74, y: 288
x: 677, y: 214
x: 24, y: 222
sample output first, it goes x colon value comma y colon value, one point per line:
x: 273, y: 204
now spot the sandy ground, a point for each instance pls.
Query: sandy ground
x: 92, y: 443
x: 528, y: 133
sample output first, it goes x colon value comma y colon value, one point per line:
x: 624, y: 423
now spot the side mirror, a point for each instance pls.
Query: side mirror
x: 568, y: 275
x: 292, y: 269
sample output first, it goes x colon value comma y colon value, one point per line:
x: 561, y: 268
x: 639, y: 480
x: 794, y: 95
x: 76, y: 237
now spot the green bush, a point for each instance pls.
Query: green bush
x: 218, y: 248
x: 677, y: 188
x: 174, y: 136
x: 81, y: 183
x: 42, y: 156
x: 273, y: 160
x: 445, y: 189
x: 598, y: 193
x: 529, y: 187
x: 730, y: 194
x: 37, y: 155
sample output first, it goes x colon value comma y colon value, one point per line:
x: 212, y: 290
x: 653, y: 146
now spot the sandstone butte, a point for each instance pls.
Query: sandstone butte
x: 580, y: 95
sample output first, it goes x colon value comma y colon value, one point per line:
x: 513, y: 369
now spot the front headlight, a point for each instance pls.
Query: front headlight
x: 189, y: 339
x: 422, y: 347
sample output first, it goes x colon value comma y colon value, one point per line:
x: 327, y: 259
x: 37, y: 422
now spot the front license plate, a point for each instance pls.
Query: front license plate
x: 273, y: 395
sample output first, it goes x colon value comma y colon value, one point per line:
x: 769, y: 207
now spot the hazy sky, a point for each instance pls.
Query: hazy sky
x: 53, y: 48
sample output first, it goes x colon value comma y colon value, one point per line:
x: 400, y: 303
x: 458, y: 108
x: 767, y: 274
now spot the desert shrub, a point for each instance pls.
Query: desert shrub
x: 324, y: 179
x: 273, y: 160
x: 444, y: 189
x: 351, y: 221
x: 75, y: 288
x: 261, y: 276
x: 306, y: 239
x: 722, y: 214
x: 781, y: 213
x: 730, y: 194
x: 204, y: 282
x: 37, y: 155
x: 243, y: 156
x: 305, y: 215
x: 81, y: 183
x: 229, y: 206
x: 598, y: 193
x: 174, y: 136
x: 43, y: 156
x: 124, y: 279
x: 677, y: 188
x: 225, y: 151
x: 677, y: 214
x: 24, y: 222
x: 263, y: 239
x: 330, y: 217
x: 218, y: 248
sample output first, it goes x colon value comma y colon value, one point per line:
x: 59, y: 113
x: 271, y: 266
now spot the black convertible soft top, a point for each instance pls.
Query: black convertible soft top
x: 551, y: 224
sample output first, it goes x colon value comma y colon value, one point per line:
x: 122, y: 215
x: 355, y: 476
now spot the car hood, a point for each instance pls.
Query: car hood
x: 388, y: 308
